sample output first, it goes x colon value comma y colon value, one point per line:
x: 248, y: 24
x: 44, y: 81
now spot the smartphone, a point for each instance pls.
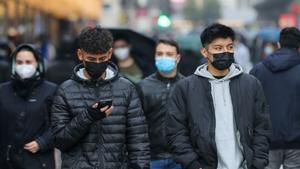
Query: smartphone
x: 103, y: 103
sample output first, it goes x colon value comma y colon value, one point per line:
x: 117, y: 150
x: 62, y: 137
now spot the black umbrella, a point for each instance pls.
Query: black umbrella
x: 143, y: 48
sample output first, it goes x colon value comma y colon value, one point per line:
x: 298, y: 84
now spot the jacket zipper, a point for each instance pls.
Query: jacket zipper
x: 8, y: 152
x: 168, y: 85
x: 101, y: 143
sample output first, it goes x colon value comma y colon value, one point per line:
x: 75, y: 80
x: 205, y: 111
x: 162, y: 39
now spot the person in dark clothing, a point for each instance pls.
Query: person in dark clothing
x: 218, y: 117
x: 5, y: 52
x: 279, y: 75
x: 26, y: 141
x: 61, y: 68
x: 155, y: 91
x: 189, y: 62
x: 127, y: 64
x: 97, y: 117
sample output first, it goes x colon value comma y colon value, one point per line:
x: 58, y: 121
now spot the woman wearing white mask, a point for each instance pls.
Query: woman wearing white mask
x: 25, y: 137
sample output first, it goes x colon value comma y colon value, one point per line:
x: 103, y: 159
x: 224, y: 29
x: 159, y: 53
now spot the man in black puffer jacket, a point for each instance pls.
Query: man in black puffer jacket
x: 155, y: 92
x: 89, y: 134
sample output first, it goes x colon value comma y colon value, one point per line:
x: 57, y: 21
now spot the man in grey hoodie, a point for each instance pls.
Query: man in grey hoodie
x: 218, y: 117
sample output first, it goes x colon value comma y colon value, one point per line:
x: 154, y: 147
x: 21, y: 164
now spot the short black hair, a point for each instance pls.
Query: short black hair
x: 290, y: 38
x: 168, y: 42
x: 95, y: 40
x: 215, y: 31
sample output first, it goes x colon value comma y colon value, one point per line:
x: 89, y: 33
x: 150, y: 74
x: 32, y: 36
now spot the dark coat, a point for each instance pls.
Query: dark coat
x: 117, y: 141
x: 191, y: 122
x: 4, y: 71
x: 155, y: 92
x: 279, y: 76
x: 22, y: 121
x: 60, y: 70
x: 24, y: 117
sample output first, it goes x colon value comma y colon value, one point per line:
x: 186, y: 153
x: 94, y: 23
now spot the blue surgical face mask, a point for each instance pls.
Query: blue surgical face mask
x: 165, y: 64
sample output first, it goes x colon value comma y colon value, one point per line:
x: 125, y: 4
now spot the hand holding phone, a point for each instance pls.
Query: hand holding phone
x: 103, y: 103
x: 101, y: 109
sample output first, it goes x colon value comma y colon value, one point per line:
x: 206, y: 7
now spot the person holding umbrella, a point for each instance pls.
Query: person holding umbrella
x: 126, y: 63
x: 26, y: 141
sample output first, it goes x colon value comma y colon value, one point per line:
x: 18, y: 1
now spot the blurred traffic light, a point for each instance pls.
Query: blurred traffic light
x: 164, y: 21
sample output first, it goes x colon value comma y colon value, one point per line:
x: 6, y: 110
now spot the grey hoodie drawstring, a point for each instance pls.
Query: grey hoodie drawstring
x: 223, y: 91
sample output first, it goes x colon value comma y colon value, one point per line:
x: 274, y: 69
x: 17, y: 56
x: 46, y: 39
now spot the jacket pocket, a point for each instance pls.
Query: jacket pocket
x: 46, y: 160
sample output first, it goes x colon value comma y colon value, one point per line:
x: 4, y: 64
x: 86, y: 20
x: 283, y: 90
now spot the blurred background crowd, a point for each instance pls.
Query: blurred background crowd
x: 53, y: 26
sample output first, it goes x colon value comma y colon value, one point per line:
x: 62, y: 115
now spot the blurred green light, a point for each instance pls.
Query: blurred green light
x: 164, y: 21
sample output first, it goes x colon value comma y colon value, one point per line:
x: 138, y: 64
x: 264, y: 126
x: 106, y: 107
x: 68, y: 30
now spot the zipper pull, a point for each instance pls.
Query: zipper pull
x: 168, y: 86
x: 8, y: 153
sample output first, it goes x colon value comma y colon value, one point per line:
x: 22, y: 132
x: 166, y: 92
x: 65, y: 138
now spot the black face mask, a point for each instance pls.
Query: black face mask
x: 95, y: 70
x: 223, y: 60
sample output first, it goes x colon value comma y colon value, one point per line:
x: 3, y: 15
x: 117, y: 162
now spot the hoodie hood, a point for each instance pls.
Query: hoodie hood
x: 282, y: 59
x: 225, y: 127
x: 234, y: 70
x: 40, y: 69
x: 111, y: 71
x: 24, y: 87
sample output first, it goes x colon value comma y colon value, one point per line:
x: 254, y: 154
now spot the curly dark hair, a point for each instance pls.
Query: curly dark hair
x: 95, y: 40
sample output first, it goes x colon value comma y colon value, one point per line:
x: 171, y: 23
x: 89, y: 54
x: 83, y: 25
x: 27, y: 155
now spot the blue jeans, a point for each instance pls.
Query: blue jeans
x: 164, y: 164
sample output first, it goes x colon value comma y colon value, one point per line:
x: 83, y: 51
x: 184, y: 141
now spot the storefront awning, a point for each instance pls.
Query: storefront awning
x: 68, y: 9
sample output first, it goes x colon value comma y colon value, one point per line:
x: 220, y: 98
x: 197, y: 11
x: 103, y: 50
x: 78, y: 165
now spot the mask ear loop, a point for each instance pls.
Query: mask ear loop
x: 207, y: 56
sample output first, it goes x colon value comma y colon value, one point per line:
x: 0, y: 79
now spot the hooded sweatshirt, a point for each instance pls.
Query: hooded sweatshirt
x: 25, y: 87
x: 279, y: 76
x: 229, y: 151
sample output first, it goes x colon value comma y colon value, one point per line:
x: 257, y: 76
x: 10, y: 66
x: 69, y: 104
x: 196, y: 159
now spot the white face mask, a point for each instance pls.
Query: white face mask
x: 25, y: 71
x: 121, y: 53
x: 268, y: 51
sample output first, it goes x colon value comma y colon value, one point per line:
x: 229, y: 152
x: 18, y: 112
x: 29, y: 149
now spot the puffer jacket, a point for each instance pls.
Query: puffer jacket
x: 155, y: 92
x: 115, y: 142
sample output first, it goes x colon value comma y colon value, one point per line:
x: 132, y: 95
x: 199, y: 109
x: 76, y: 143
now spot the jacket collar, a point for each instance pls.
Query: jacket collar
x: 168, y: 80
x: 91, y: 82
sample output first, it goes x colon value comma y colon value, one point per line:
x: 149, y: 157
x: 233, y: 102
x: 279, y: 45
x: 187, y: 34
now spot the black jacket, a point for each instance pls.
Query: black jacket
x: 24, y: 117
x: 22, y: 121
x: 60, y: 70
x: 279, y: 76
x: 117, y: 141
x: 191, y: 122
x: 4, y: 71
x: 155, y: 91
